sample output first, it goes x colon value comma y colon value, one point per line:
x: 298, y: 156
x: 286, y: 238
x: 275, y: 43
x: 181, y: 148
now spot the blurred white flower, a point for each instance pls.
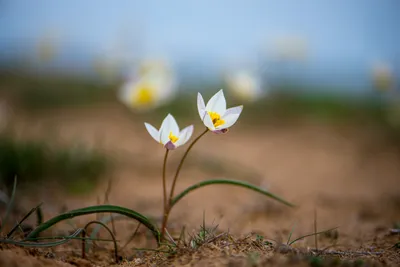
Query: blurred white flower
x: 149, y: 87
x: 215, y: 116
x: 244, y: 86
x: 382, y: 76
x: 169, y: 134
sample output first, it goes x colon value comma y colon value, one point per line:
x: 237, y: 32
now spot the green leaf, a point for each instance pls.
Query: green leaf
x: 98, y: 209
x: 301, y: 237
x: 228, y: 182
x: 42, y: 245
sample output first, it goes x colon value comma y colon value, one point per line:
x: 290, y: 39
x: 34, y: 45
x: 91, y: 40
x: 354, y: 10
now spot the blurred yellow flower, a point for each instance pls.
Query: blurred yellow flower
x: 149, y: 87
x: 244, y: 86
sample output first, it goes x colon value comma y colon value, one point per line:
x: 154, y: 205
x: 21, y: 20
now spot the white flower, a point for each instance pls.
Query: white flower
x: 215, y: 116
x: 244, y: 86
x: 148, y: 89
x: 169, y: 134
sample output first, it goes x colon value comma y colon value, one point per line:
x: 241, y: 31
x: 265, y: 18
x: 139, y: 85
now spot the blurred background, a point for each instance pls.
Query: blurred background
x: 319, y: 82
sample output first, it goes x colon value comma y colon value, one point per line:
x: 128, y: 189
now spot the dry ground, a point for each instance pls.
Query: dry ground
x: 346, y: 173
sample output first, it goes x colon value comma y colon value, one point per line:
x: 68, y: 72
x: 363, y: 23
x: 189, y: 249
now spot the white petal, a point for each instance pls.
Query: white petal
x: 208, y: 122
x: 185, y: 135
x: 168, y: 125
x: 217, y: 103
x: 174, y: 125
x: 164, y: 135
x: 201, y: 107
x: 229, y: 121
x: 234, y: 110
x: 165, y: 130
x: 152, y: 131
x: 125, y: 93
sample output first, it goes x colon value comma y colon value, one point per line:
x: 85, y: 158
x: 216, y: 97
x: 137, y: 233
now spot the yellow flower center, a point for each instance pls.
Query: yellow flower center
x: 172, y: 137
x: 144, y: 96
x: 216, y: 118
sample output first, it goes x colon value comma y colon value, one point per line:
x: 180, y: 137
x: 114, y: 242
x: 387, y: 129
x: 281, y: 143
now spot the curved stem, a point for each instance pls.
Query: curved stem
x: 168, y: 206
x: 164, y: 179
x: 109, y: 231
x: 178, y: 170
x: 230, y: 182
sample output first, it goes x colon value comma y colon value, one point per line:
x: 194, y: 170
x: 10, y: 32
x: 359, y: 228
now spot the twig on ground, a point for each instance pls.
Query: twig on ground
x: 169, y: 236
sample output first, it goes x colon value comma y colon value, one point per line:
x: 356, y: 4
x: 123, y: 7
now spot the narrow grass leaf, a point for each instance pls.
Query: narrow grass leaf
x: 42, y: 245
x: 228, y: 182
x: 97, y: 209
x: 291, y: 232
x: 109, y: 231
x: 301, y: 237
x: 22, y: 220
x: 98, y: 227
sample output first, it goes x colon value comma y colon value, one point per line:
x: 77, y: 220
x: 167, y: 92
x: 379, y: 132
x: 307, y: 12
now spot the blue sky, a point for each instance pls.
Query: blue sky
x: 338, y: 32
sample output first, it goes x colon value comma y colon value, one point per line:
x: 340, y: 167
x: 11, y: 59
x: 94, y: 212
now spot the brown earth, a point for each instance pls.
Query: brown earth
x: 347, y: 174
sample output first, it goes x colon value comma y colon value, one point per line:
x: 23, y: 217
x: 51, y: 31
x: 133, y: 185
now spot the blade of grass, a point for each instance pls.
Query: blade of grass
x: 96, y: 209
x: 315, y: 228
x: 39, y: 216
x: 106, y: 201
x: 97, y: 228
x: 42, y: 245
x: 69, y: 237
x: 228, y: 182
x: 182, y: 236
x: 22, y: 220
x: 131, y: 237
x: 204, y: 226
x: 170, y: 237
x: 9, y: 205
x: 297, y: 239
x: 291, y: 232
x: 109, y: 231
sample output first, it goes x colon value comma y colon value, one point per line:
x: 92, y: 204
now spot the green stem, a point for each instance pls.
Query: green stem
x: 229, y: 182
x: 97, y: 209
x: 166, y: 204
x: 164, y: 179
x: 178, y: 170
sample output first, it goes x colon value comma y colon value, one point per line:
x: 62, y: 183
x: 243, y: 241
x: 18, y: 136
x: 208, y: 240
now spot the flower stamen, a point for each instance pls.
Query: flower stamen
x: 216, y: 118
x: 145, y: 95
x: 173, y: 137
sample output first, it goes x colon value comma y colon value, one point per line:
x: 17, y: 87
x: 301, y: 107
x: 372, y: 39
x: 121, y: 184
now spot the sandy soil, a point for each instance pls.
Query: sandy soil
x: 343, y: 173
